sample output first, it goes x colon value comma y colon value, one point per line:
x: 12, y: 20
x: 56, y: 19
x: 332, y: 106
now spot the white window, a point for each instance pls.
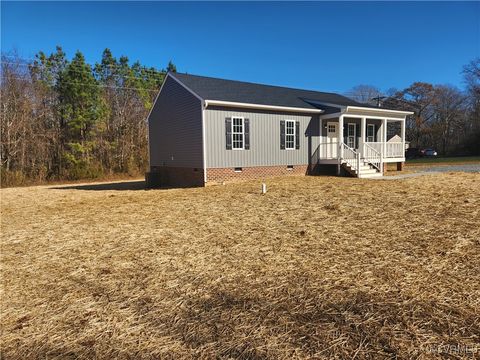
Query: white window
x: 351, y: 134
x: 370, y: 133
x: 237, y: 133
x: 332, y: 129
x: 290, y: 134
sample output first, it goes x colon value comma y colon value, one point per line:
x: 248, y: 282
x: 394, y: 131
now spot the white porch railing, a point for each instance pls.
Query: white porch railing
x: 392, y: 149
x: 372, y: 156
x: 395, y: 150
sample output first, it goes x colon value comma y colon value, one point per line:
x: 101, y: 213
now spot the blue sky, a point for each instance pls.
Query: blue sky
x: 322, y: 45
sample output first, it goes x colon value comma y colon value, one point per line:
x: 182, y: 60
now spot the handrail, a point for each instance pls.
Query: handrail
x: 351, y: 157
x: 372, y: 156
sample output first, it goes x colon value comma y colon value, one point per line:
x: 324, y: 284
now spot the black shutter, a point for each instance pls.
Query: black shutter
x: 297, y: 135
x: 375, y: 131
x: 282, y: 134
x: 345, y: 133
x: 246, y: 124
x: 228, y: 133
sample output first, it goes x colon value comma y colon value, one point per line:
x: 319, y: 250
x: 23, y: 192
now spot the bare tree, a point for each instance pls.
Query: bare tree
x: 15, y: 114
x: 471, y: 74
x: 419, y: 98
x: 366, y: 94
x: 450, y: 123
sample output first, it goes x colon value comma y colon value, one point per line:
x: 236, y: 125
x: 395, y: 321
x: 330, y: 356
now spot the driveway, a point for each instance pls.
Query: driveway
x: 449, y: 168
x: 431, y: 169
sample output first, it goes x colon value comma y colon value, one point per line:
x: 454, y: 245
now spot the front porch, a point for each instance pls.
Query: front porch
x: 362, y: 140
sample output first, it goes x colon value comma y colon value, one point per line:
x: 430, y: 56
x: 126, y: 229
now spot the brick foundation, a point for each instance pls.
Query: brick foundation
x: 164, y: 176
x: 219, y: 175
x: 400, y: 166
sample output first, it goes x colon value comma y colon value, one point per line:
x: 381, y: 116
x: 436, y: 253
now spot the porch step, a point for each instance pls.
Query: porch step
x: 370, y: 176
x: 363, y: 168
x: 366, y: 171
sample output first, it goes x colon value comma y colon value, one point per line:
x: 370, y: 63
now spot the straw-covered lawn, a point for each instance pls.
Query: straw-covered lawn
x: 319, y: 267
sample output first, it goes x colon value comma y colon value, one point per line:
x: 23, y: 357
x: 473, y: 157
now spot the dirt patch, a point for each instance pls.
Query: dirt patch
x: 320, y: 267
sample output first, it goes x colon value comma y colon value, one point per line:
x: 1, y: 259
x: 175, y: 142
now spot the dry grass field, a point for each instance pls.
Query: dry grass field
x: 319, y: 267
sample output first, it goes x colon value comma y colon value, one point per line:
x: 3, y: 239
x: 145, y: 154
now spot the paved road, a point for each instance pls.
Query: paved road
x: 430, y: 169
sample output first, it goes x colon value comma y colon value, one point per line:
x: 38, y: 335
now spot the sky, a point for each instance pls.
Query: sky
x: 327, y: 46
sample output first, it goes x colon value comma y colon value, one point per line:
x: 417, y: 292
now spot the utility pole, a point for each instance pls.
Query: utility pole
x: 378, y: 98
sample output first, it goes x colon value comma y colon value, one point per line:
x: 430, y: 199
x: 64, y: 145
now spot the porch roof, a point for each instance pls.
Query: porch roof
x: 368, y: 112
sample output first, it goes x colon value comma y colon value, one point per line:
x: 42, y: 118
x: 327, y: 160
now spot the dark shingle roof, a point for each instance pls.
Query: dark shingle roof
x: 238, y: 91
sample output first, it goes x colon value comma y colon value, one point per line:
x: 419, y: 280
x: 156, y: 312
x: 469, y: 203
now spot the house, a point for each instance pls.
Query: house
x: 206, y: 130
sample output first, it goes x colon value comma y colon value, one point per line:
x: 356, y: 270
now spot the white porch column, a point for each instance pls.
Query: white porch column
x: 320, y: 146
x: 402, y: 127
x: 384, y: 137
x: 340, y: 135
x: 363, y: 129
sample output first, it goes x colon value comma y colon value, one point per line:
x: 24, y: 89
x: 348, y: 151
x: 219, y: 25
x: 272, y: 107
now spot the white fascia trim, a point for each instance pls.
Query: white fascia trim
x: 258, y: 106
x: 361, y: 108
x: 355, y: 116
x: 373, y: 117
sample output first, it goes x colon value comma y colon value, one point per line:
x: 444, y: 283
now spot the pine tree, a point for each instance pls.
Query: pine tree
x: 171, y: 67
x: 80, y: 107
x: 45, y: 73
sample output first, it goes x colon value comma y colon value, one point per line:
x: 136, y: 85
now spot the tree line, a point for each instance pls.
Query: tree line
x: 66, y: 119
x: 445, y: 117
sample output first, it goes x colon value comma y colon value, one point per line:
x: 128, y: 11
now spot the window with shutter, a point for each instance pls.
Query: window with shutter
x: 238, y: 133
x: 290, y: 134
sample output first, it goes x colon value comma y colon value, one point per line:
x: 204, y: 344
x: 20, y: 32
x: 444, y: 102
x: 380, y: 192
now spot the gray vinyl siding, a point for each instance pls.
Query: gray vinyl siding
x: 175, y: 128
x: 264, y: 139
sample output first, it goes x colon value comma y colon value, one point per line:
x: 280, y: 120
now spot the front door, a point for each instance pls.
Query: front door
x: 352, y: 135
x: 332, y: 140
